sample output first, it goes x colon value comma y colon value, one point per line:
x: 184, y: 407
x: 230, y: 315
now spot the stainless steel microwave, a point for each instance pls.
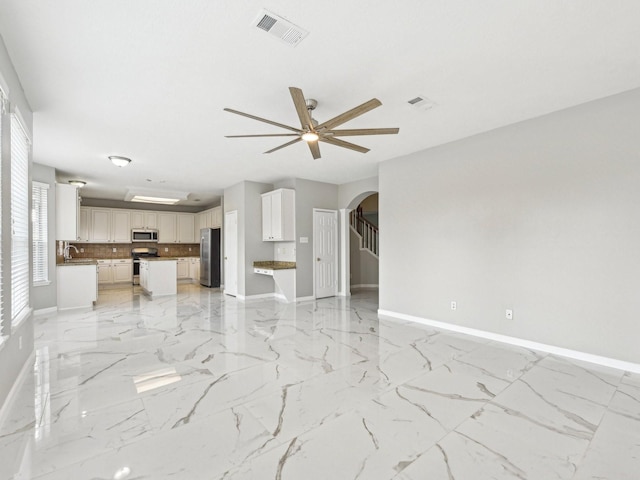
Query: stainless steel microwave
x: 144, y: 235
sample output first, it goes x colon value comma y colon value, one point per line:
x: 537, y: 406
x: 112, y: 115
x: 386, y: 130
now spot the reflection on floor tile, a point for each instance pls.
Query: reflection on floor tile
x: 202, y: 386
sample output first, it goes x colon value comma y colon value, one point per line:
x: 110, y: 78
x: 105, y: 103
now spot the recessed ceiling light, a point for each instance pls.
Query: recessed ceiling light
x: 77, y: 183
x: 120, y: 161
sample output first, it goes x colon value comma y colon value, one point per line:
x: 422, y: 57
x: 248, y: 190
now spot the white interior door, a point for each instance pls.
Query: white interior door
x: 325, y: 252
x: 231, y: 253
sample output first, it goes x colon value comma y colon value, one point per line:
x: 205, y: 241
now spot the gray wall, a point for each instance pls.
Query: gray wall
x: 12, y: 357
x: 309, y: 195
x: 541, y: 217
x: 245, y: 198
x: 44, y: 296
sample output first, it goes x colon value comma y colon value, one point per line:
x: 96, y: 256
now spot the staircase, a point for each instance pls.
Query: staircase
x: 367, y: 232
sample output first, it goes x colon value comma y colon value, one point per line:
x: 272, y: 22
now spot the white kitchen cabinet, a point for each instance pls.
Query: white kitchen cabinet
x: 194, y: 269
x: 167, y: 223
x: 120, y: 226
x: 110, y: 226
x: 158, y: 276
x: 122, y: 270
x: 216, y: 220
x: 67, y: 212
x: 185, y: 231
x: 117, y: 270
x: 105, y: 275
x: 76, y: 285
x: 144, y: 220
x: 278, y: 215
x: 182, y: 268
x: 84, y: 224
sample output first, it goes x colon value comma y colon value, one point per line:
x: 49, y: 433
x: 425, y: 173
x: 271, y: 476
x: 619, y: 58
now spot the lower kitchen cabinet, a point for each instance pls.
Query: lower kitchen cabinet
x: 194, y: 269
x: 117, y: 270
x: 182, y: 268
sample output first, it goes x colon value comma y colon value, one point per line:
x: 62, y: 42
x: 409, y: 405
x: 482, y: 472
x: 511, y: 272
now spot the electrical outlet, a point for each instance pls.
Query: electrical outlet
x: 166, y: 249
x: 454, y: 305
x: 189, y: 248
x: 115, y: 249
x: 509, y: 314
x: 82, y: 250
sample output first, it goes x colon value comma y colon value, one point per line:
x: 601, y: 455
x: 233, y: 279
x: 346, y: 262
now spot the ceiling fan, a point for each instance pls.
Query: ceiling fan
x: 312, y: 132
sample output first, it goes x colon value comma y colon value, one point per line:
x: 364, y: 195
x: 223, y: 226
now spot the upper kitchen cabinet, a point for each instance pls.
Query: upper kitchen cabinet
x: 185, y: 232
x: 211, y: 218
x: 110, y: 226
x: 144, y: 220
x: 84, y: 226
x: 278, y: 215
x: 167, y: 227
x: 67, y: 212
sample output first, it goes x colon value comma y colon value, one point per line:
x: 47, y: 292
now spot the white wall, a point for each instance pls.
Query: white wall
x: 541, y: 217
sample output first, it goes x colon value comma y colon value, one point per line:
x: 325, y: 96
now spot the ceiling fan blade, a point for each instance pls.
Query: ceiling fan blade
x: 284, y: 145
x: 350, y: 115
x: 270, y: 122
x: 264, y: 135
x: 315, y: 149
x: 301, y: 107
x: 341, y: 143
x: 362, y: 131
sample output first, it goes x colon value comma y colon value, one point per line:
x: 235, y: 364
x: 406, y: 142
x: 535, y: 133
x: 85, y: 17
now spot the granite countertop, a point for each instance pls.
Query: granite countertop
x: 77, y: 261
x: 274, y: 265
x: 159, y: 259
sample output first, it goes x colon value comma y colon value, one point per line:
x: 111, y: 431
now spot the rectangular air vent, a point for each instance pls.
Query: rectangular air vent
x: 421, y: 102
x: 280, y: 28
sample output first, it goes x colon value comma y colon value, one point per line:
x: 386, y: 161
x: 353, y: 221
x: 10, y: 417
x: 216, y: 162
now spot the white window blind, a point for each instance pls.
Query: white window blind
x: 19, y: 220
x: 40, y: 232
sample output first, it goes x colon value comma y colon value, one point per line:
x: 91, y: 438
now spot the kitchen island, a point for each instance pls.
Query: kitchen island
x: 77, y: 283
x: 158, y: 276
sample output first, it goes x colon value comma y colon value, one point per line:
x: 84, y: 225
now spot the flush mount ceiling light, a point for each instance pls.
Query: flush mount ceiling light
x: 158, y: 200
x: 77, y: 183
x: 120, y: 161
x: 161, y: 197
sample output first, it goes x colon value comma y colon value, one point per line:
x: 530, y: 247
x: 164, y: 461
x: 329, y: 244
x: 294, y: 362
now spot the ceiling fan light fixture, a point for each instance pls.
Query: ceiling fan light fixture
x: 120, y: 161
x: 310, y: 137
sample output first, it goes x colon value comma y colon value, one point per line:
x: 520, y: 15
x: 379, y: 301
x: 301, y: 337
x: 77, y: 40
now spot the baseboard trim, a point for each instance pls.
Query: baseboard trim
x: 560, y: 351
x: 45, y: 311
x: 255, y: 297
x: 11, y: 396
x: 305, y: 299
x: 365, y: 286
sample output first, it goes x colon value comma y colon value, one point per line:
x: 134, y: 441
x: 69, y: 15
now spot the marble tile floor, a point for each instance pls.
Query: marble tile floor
x: 202, y: 386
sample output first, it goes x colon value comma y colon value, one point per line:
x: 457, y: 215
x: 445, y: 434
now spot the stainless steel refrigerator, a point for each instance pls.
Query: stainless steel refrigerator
x: 210, y: 257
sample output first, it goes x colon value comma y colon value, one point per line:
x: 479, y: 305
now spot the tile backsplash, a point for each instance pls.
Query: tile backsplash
x: 123, y: 250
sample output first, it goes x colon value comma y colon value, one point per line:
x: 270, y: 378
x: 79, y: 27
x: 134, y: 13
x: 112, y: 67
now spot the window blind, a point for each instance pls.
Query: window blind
x: 40, y: 230
x: 19, y: 219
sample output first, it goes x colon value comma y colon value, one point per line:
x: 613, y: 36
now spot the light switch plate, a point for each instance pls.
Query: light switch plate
x: 166, y: 249
x: 304, y: 239
x: 115, y: 249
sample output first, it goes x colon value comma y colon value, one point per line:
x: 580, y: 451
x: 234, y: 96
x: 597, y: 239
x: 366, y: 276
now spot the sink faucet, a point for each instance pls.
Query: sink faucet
x: 66, y: 253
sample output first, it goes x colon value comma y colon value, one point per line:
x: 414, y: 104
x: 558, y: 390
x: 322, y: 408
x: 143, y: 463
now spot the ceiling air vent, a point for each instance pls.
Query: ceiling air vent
x: 280, y: 28
x: 421, y: 102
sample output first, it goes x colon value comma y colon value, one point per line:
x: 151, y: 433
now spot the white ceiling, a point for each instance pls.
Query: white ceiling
x: 148, y: 79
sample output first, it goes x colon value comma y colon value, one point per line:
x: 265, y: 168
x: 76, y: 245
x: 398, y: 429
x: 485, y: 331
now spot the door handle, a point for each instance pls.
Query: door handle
x: 318, y: 259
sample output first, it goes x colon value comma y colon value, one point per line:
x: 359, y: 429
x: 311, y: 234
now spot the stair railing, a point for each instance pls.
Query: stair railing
x: 369, y: 236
